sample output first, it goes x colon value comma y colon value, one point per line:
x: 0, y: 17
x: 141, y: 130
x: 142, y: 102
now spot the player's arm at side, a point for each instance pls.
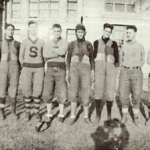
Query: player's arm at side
x: 22, y: 51
x: 91, y: 57
x: 68, y: 61
x: 18, y: 45
x: 116, y: 53
x: 47, y: 53
x: 0, y: 51
x: 121, y: 55
x: 61, y: 51
x: 95, y: 45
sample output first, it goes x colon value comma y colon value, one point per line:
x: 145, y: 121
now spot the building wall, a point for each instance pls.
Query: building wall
x: 94, y: 14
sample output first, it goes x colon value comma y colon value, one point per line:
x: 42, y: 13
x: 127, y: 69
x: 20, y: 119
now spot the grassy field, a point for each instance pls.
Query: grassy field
x: 21, y: 135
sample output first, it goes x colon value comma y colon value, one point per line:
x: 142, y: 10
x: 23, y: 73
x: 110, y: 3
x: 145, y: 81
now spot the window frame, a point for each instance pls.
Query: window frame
x: 125, y: 3
x: 72, y: 2
x: 15, y: 10
x: 49, y: 8
x: 67, y: 31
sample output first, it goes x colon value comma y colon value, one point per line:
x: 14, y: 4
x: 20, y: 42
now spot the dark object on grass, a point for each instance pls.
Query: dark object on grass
x: 111, y: 136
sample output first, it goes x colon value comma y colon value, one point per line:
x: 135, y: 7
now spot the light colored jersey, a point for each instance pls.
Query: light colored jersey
x: 55, y: 51
x: 31, y: 51
x: 132, y: 54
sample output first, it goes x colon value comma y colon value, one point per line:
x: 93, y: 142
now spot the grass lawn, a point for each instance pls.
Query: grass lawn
x: 21, y: 135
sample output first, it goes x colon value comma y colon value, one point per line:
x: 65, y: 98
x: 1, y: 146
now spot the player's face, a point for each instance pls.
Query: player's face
x: 130, y: 34
x: 107, y: 32
x: 57, y: 33
x: 80, y: 34
x: 33, y: 29
x: 9, y: 31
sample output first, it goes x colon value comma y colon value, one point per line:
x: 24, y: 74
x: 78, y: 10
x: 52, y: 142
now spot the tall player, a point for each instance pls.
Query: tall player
x: 9, y: 69
x: 55, y: 51
x: 31, y: 59
x: 106, y: 61
x: 80, y: 72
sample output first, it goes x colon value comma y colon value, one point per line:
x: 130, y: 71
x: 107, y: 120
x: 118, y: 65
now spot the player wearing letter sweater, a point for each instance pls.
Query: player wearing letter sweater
x: 9, y: 69
x: 54, y: 52
x: 31, y: 58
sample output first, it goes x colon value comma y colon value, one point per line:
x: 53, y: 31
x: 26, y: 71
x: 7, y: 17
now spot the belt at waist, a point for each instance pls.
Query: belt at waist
x: 56, y: 64
x: 135, y: 67
x: 33, y: 65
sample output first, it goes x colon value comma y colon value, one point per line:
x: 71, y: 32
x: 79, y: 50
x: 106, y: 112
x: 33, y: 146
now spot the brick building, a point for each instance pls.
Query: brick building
x: 68, y: 13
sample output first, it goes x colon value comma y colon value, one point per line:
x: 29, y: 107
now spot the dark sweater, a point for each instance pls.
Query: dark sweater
x: 9, y: 41
x: 114, y: 46
x: 84, y: 48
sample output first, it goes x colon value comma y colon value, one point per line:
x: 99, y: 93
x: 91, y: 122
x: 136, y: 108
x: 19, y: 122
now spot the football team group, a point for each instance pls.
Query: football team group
x: 71, y: 69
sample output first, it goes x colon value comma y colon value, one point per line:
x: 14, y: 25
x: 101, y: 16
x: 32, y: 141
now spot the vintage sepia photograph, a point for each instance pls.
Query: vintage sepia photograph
x: 74, y: 74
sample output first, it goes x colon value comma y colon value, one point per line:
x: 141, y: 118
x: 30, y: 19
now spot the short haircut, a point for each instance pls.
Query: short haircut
x: 107, y: 25
x: 32, y: 22
x: 56, y: 26
x: 8, y: 25
x: 133, y: 27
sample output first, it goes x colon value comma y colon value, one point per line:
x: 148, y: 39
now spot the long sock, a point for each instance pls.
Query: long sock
x: 86, y: 111
x: 109, y: 107
x: 13, y: 101
x: 2, y: 105
x: 136, y: 112
x: 27, y: 104
x: 49, y: 109
x: 97, y: 106
x: 2, y: 102
x: 37, y: 103
x: 124, y: 115
x: 73, y: 109
x: 61, y: 110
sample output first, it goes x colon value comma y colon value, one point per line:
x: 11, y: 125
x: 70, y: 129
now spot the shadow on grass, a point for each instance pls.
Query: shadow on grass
x: 44, y: 125
x: 91, y: 109
x: 112, y: 135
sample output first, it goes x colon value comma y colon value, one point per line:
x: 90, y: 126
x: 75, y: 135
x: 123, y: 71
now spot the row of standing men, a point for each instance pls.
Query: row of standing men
x: 83, y: 65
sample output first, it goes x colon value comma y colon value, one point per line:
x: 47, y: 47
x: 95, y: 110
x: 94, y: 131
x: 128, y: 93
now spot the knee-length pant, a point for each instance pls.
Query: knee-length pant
x: 105, y: 80
x: 32, y: 82
x: 80, y: 82
x: 130, y: 82
x: 9, y: 78
x: 54, y: 81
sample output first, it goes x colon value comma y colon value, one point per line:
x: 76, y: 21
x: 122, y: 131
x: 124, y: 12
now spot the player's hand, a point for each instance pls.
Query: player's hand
x: 92, y: 76
x: 67, y: 78
x: 55, y: 47
x: 116, y: 65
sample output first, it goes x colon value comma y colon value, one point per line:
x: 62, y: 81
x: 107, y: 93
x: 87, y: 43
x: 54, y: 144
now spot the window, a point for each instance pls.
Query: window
x: 16, y: 7
x: 119, y: 34
x: 119, y: 5
x: 72, y: 8
x: 43, y: 8
x: 70, y: 35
